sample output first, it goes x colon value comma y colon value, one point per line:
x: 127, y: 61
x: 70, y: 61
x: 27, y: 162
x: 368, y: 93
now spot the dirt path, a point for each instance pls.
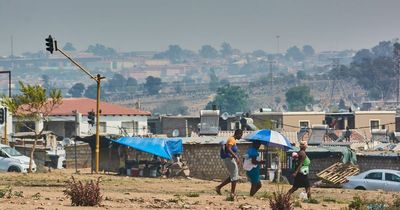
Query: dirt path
x: 45, y: 191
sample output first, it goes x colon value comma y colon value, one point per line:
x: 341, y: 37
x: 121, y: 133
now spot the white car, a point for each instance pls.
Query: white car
x: 13, y: 161
x: 383, y: 179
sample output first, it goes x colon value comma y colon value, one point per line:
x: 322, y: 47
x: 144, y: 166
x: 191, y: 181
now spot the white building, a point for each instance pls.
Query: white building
x: 71, y: 119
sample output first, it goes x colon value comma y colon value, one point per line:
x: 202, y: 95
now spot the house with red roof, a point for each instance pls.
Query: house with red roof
x: 71, y: 119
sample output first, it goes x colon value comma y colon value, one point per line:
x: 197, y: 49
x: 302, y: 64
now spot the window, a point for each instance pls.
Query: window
x: 102, y: 127
x: 128, y: 126
x: 374, y: 175
x: 374, y: 124
x: 304, y: 124
x: 392, y: 177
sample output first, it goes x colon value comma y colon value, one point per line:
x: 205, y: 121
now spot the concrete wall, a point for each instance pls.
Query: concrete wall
x: 363, y: 120
x: 291, y: 120
x: 57, y: 124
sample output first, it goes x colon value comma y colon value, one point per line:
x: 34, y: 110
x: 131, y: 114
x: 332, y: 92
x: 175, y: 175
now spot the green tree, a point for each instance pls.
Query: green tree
x: 230, y: 99
x: 298, y: 97
x: 374, y: 74
x: 207, y: 51
x: 173, y: 107
x: 152, y: 85
x: 301, y: 75
x: 177, y: 86
x: 214, y: 82
x: 102, y: 50
x: 342, y: 104
x: 32, y: 105
x: 226, y: 49
x: 131, y: 84
x: 174, y: 53
x: 294, y: 53
x: 91, y: 92
x: 116, y: 83
x: 77, y: 90
x: 46, y: 82
x: 308, y: 50
x: 69, y: 47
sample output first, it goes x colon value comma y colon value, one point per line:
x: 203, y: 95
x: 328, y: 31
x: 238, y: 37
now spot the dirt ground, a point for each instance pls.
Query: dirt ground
x: 45, y: 191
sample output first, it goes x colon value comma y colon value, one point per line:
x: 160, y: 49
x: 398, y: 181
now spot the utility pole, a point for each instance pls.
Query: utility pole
x: 396, y: 58
x: 335, y: 67
x: 51, y: 46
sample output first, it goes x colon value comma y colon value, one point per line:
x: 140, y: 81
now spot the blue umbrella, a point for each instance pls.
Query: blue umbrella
x: 270, y: 138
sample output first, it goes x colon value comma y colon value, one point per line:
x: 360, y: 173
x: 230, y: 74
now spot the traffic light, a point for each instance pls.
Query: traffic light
x: 2, y: 115
x: 50, y: 44
x: 91, y: 118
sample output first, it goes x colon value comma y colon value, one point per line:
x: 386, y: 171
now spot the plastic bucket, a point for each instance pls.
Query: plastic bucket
x: 153, y: 173
x: 271, y: 174
x: 135, y: 172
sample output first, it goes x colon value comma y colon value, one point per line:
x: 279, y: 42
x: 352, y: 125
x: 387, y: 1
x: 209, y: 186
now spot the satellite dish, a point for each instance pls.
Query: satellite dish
x: 175, y: 133
x: 225, y: 115
x: 308, y: 107
x: 284, y: 108
x: 317, y: 108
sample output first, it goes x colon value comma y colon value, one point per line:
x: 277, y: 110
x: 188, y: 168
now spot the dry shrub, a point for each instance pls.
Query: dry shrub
x: 87, y: 194
x: 280, y: 200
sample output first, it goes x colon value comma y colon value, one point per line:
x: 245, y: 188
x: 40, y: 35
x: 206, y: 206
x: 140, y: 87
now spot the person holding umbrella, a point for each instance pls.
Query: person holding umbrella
x: 252, y: 167
x: 231, y: 160
x: 301, y: 173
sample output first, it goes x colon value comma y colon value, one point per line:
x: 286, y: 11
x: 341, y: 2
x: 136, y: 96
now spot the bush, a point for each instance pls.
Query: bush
x: 280, y: 200
x: 87, y: 194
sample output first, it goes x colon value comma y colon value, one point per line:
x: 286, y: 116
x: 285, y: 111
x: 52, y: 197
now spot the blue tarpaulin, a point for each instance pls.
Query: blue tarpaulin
x: 162, y: 147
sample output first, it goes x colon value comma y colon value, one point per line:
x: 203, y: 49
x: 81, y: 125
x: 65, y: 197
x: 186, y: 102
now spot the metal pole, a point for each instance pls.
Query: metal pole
x: 5, y: 126
x: 98, y: 80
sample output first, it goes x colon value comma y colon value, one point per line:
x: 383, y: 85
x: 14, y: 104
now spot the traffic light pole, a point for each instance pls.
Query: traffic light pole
x: 98, y: 79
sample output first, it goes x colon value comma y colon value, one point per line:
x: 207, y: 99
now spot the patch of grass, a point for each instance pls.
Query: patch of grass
x: 6, y: 192
x: 230, y: 198
x: 297, y: 204
x: 361, y: 203
x: 19, y: 194
x: 173, y: 200
x: 312, y: 200
x: 332, y: 200
x: 396, y: 201
x: 36, y: 196
x: 192, y: 194
x: 266, y: 195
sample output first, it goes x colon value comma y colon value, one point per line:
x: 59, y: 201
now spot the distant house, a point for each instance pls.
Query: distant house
x: 71, y: 119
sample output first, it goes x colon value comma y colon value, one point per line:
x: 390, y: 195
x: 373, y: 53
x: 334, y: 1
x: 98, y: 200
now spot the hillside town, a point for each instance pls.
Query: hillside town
x: 232, y: 123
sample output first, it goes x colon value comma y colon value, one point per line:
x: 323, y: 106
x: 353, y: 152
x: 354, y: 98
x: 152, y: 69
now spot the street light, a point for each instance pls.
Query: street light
x: 51, y: 45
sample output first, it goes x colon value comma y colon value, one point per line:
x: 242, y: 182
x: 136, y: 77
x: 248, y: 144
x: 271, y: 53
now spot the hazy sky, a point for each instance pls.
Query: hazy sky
x: 130, y: 25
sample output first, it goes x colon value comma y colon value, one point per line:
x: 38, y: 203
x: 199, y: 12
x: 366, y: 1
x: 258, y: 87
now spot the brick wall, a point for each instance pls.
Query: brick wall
x: 204, y: 160
x: 83, y: 156
x: 378, y: 162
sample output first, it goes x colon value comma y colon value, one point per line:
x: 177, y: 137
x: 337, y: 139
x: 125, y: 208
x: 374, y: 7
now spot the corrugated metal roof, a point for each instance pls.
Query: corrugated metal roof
x: 85, y: 105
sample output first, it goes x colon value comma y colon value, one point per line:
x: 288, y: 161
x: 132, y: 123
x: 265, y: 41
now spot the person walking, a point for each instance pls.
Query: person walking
x: 231, y: 160
x: 301, y: 173
x: 252, y: 167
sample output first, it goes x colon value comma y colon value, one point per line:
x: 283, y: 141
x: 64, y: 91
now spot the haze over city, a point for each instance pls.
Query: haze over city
x: 153, y: 25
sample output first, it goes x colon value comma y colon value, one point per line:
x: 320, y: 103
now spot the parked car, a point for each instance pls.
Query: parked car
x: 13, y: 161
x: 384, y: 179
